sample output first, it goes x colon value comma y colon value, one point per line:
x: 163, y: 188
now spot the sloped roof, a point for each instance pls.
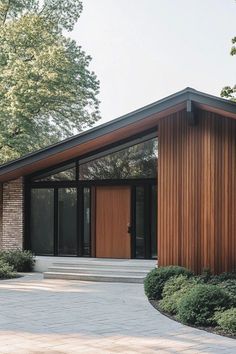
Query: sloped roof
x: 160, y: 108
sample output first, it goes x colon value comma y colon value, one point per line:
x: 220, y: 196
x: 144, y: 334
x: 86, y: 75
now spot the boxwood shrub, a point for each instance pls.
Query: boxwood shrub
x: 156, y: 279
x: 199, y: 305
x: 22, y: 261
x: 227, y: 320
x: 6, y: 270
x: 175, y: 288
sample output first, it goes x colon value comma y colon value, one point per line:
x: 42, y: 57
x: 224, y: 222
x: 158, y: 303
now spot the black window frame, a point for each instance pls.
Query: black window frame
x: 80, y: 185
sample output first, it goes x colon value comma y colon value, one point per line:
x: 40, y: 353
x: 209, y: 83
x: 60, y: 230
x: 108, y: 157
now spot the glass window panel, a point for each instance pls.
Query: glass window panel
x: 67, y: 228
x: 65, y: 173
x: 86, y: 218
x: 154, y: 222
x: 42, y: 221
x: 137, y: 161
x: 140, y: 223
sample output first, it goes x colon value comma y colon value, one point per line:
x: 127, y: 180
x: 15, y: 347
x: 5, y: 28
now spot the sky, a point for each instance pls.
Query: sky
x: 144, y: 50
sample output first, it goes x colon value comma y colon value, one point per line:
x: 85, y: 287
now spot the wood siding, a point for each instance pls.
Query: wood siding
x: 197, y: 192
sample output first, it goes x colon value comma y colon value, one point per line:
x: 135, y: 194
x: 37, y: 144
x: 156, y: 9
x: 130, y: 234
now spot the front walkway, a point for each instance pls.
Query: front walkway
x: 54, y: 316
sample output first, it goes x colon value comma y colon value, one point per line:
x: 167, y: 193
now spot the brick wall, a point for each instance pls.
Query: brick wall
x: 11, y: 228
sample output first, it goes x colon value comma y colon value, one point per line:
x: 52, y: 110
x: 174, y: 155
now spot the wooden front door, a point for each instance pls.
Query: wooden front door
x: 112, y: 220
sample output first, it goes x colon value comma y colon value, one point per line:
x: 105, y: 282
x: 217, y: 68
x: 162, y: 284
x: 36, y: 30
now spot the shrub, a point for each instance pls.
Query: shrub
x: 206, y: 276
x: 225, y: 276
x: 227, y: 320
x: 230, y: 287
x: 6, y: 271
x: 22, y: 261
x: 156, y: 279
x: 199, y: 304
x: 175, y: 288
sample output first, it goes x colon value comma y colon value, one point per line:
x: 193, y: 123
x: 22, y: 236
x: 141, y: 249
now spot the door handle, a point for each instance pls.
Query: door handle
x: 129, y: 229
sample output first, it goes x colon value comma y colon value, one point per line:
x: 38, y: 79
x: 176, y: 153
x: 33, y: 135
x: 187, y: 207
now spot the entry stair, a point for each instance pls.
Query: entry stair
x: 100, y: 270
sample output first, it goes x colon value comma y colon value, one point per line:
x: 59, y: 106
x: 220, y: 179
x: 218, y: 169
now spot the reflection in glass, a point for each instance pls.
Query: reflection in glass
x: 86, y: 220
x: 137, y: 161
x: 139, y: 221
x: 67, y: 210
x: 65, y: 173
x: 154, y: 222
x: 42, y: 221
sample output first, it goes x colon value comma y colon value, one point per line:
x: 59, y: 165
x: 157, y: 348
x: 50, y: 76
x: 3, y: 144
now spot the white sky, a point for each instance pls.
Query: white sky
x: 144, y: 50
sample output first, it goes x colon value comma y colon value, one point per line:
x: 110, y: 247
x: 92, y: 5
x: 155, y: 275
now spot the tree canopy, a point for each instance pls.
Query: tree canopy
x: 47, y: 92
x: 228, y: 91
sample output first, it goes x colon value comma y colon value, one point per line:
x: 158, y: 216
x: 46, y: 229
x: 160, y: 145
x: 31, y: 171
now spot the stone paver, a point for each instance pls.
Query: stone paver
x: 54, y: 316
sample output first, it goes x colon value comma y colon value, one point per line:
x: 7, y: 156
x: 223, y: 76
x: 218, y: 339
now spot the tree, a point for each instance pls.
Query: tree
x: 228, y: 91
x: 136, y: 161
x: 47, y: 92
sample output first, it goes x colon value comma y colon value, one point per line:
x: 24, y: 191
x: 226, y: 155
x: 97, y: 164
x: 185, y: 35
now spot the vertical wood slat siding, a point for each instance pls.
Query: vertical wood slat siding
x: 197, y: 192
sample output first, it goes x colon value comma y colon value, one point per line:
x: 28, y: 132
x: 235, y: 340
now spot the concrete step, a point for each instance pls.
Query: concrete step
x: 44, y: 262
x: 95, y: 269
x: 102, y: 267
x: 91, y: 270
x: 106, y: 265
x: 95, y: 277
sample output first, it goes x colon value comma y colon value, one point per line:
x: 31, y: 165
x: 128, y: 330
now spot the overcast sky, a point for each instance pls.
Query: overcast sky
x: 144, y: 50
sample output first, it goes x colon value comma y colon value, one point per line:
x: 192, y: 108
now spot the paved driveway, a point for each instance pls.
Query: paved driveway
x: 56, y: 316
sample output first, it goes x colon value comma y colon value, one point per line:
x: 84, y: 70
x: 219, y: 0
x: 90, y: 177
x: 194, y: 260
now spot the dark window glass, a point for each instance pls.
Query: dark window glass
x: 67, y: 229
x: 154, y: 222
x: 42, y: 221
x: 65, y: 173
x: 86, y: 222
x: 137, y: 161
x: 139, y: 223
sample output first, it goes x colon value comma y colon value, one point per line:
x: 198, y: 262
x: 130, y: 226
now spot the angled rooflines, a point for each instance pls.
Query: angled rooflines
x: 200, y: 99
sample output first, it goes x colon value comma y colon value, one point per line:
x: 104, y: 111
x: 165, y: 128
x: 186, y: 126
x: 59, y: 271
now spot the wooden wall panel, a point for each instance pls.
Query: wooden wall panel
x: 197, y: 192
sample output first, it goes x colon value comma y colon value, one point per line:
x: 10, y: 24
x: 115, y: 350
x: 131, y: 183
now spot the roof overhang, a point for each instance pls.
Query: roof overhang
x: 115, y: 130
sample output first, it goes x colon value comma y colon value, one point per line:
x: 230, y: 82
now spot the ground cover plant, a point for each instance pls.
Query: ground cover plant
x: 204, y: 301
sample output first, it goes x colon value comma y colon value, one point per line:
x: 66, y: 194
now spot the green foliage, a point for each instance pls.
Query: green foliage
x: 175, y: 288
x: 6, y: 270
x: 156, y: 279
x: 227, y: 320
x: 20, y: 261
x: 206, y: 276
x: 226, y: 281
x: 199, y: 304
x: 225, y: 276
x: 47, y: 92
x: 230, y: 91
x: 230, y: 287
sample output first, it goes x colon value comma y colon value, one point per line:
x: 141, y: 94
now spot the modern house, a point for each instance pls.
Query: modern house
x: 159, y: 182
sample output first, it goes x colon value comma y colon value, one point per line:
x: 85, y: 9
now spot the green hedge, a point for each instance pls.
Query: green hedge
x: 21, y: 261
x: 198, y: 306
x: 175, y: 288
x: 156, y: 279
x: 205, y: 300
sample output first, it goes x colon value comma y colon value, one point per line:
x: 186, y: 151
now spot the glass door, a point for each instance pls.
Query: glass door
x: 144, y: 221
x: 60, y: 221
x: 67, y: 221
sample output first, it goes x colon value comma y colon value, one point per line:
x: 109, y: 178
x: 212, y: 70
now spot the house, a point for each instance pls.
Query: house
x: 159, y: 182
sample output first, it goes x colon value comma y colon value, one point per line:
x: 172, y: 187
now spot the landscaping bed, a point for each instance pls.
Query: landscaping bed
x: 14, y: 262
x: 206, y: 302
